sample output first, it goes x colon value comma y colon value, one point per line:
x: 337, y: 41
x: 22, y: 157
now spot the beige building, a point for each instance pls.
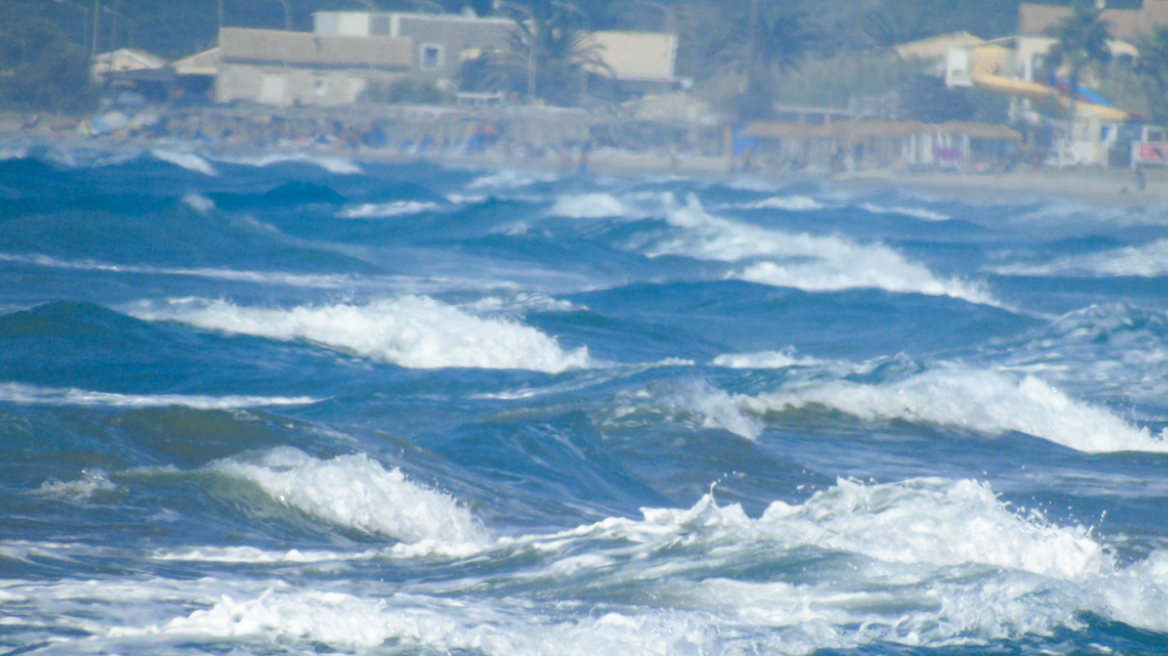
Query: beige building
x: 643, y: 60
x: 1126, y: 24
x: 441, y: 41
x: 273, y: 67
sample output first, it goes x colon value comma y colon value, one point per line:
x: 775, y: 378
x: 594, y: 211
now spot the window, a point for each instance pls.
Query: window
x: 379, y: 25
x: 431, y: 57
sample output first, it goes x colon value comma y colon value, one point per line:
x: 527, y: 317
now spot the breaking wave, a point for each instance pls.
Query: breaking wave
x: 804, y: 261
x: 980, y: 400
x: 411, y: 331
x: 31, y: 394
x: 1148, y: 261
x: 188, y: 161
x: 358, y: 493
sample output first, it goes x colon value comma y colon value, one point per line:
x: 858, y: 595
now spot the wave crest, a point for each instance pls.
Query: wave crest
x: 412, y: 331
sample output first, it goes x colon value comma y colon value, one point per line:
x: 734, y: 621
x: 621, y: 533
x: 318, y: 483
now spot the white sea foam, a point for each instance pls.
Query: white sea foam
x: 309, y: 280
x: 522, y: 303
x: 981, y: 400
x: 789, y: 203
x: 358, y: 493
x: 924, y: 563
x: 188, y: 161
x: 803, y: 261
x: 764, y: 360
x: 31, y: 394
x: 96, y: 482
x: 199, y: 203
x: 338, y: 165
x: 915, y: 212
x: 1148, y: 261
x: 690, y: 403
x: 588, y: 206
x: 387, y: 210
x: 510, y: 179
x: 410, y: 331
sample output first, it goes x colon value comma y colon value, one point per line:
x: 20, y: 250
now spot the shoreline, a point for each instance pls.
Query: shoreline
x: 1097, y: 187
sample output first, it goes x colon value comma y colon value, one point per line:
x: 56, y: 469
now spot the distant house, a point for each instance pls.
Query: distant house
x: 195, y: 77
x: 282, y: 68
x: 643, y: 61
x: 124, y: 60
x: 1126, y: 24
x: 441, y: 41
x: 936, y: 48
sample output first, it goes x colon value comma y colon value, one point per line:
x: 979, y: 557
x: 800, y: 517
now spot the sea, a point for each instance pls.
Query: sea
x: 307, y: 404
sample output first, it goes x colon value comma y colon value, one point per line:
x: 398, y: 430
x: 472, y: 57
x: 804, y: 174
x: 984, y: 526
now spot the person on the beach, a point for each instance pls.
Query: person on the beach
x: 1141, y: 181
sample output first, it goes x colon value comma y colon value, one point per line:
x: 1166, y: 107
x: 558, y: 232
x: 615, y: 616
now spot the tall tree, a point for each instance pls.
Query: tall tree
x: 1152, y: 65
x: 764, y: 43
x: 1082, y: 43
x: 550, y: 49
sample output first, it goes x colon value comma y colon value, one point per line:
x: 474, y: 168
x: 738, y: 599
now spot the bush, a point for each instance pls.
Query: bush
x: 413, y: 90
x: 48, y: 73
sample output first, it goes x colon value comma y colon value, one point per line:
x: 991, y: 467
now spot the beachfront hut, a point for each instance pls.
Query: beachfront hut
x: 876, y: 144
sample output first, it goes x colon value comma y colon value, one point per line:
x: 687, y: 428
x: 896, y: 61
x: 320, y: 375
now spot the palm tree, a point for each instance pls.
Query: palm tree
x: 550, y: 46
x: 1082, y: 43
x: 764, y: 45
x: 1153, y: 66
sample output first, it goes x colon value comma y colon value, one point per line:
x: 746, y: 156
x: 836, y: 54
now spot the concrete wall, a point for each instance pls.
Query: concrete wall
x: 283, y: 87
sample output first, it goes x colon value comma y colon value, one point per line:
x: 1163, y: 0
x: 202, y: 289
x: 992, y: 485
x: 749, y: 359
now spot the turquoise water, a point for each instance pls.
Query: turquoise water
x: 294, y: 405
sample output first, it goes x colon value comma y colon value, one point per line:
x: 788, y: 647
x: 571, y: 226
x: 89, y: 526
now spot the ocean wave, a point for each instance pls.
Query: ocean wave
x: 764, y: 360
x: 188, y: 161
x: 309, y: 280
x: 358, y: 493
x: 789, y: 203
x: 923, y: 563
x: 588, y: 206
x: 387, y: 210
x: 510, y: 179
x: 338, y: 165
x: 914, y: 212
x: 804, y: 261
x: 985, y: 401
x: 31, y: 394
x: 1113, y: 350
x: 95, y: 483
x: 1147, y: 261
x: 411, y: 331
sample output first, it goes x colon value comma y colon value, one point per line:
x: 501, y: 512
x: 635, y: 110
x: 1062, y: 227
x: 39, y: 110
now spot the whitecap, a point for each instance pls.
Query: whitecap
x: 96, y: 482
x: 188, y: 161
x: 764, y: 360
x: 309, y: 280
x: 789, y: 203
x: 358, y: 493
x: 387, y: 210
x: 914, y: 212
x: 1147, y: 261
x: 510, y: 179
x: 989, y: 402
x: 338, y: 165
x: 803, y: 261
x: 32, y: 394
x: 199, y: 203
x: 588, y: 206
x: 411, y: 331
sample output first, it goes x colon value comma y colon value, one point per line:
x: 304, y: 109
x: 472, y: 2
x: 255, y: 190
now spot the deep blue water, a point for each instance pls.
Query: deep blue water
x: 308, y: 405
